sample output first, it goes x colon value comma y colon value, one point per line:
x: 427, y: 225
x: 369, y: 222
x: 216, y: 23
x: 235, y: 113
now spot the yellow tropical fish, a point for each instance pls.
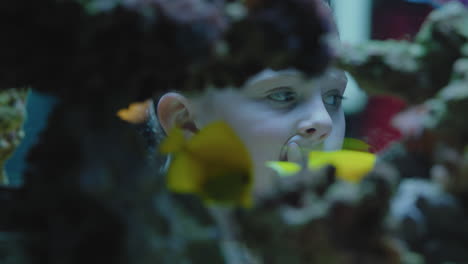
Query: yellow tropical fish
x: 350, y: 165
x: 284, y: 168
x: 213, y: 164
x: 136, y: 112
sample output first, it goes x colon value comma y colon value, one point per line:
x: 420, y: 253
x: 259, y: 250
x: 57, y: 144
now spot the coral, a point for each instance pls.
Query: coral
x: 323, y: 221
x: 12, y: 115
x: 428, y: 212
x: 415, y: 70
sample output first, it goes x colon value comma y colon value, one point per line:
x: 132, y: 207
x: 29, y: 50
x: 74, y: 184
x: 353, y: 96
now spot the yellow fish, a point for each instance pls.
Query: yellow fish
x: 213, y: 164
x: 350, y: 165
x: 136, y: 112
x: 284, y: 168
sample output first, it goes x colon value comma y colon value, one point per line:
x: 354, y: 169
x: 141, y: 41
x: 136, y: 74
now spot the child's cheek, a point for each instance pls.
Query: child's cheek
x: 335, y: 140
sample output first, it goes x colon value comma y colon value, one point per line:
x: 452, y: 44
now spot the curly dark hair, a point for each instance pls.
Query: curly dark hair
x: 274, y: 34
x: 112, y: 55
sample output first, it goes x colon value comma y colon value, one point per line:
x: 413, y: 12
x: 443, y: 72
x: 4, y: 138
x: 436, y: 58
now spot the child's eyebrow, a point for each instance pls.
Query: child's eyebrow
x: 268, y: 73
x: 264, y: 83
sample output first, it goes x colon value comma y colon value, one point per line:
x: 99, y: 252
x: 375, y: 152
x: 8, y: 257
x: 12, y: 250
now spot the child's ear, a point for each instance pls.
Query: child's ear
x: 173, y: 111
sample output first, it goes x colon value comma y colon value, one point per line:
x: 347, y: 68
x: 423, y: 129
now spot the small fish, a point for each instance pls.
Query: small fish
x: 136, y: 112
x: 350, y: 165
x: 214, y: 164
x: 284, y: 168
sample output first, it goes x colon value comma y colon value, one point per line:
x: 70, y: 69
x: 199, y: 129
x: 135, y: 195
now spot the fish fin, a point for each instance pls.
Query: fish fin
x: 218, y: 141
x: 136, y: 112
x: 284, y: 168
x: 173, y: 142
x: 350, y: 165
x: 355, y: 144
x: 214, y: 151
x: 357, y: 167
x: 184, y: 175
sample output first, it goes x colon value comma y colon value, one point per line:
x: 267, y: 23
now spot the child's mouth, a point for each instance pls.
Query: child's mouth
x: 292, y: 152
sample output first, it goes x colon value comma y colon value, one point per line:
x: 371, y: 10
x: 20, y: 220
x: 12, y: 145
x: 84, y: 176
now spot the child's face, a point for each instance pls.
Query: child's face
x: 279, y: 115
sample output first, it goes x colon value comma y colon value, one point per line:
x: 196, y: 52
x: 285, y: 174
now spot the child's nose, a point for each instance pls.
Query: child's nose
x: 317, y: 125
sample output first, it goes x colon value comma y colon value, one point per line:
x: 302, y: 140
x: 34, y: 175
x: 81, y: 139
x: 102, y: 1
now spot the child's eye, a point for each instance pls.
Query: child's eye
x: 282, y: 96
x: 333, y: 100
